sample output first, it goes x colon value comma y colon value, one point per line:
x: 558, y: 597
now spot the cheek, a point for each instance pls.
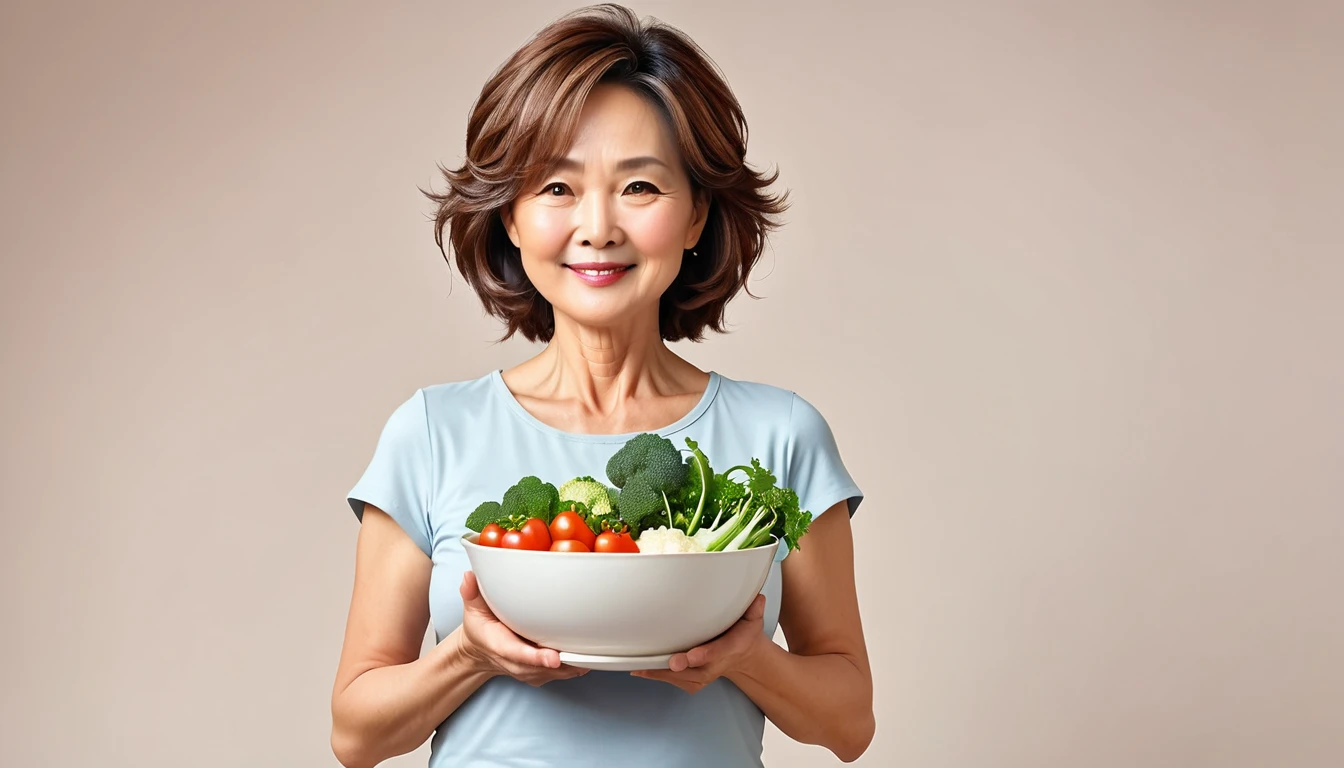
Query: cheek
x: 541, y: 230
x: 658, y: 230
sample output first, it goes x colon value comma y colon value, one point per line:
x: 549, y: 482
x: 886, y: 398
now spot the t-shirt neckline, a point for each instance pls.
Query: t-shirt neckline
x: 497, y: 383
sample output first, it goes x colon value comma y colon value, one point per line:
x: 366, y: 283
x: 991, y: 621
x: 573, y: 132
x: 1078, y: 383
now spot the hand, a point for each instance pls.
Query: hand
x: 693, y: 670
x: 495, y: 649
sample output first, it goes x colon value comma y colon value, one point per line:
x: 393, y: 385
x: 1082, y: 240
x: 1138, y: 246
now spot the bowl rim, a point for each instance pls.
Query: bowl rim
x: 467, y: 540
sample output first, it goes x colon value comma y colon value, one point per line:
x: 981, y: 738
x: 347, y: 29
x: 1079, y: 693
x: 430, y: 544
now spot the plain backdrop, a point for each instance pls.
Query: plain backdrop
x: 1066, y: 279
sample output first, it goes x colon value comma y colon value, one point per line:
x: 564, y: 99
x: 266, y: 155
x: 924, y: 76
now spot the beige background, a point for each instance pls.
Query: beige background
x: 1066, y: 281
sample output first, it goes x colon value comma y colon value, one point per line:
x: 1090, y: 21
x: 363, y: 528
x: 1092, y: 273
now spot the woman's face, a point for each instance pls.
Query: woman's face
x: 602, y: 236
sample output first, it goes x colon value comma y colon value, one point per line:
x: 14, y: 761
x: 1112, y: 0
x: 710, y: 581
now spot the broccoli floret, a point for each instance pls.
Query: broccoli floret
x: 531, y: 497
x: 642, y: 506
x: 647, y: 469
x: 650, y: 458
x: 590, y: 492
x: 488, y: 512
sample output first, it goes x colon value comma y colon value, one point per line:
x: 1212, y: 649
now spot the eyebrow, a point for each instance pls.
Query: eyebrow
x: 628, y: 164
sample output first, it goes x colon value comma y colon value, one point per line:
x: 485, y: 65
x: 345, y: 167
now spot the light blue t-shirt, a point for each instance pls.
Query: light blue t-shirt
x: 451, y: 446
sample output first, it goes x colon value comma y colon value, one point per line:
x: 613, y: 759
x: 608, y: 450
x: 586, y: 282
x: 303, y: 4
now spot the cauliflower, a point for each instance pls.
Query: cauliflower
x: 664, y: 540
x: 588, y: 492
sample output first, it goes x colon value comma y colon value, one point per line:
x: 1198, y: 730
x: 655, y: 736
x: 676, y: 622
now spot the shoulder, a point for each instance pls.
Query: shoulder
x: 446, y: 400
x: 773, y: 403
x: 777, y: 400
x: 744, y: 394
x: 416, y: 417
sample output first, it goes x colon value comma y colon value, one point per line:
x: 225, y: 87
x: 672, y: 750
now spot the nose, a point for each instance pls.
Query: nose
x: 596, y: 224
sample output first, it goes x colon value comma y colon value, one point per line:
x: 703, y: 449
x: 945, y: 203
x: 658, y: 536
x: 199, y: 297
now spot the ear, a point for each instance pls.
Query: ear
x: 699, y: 218
x: 506, y: 216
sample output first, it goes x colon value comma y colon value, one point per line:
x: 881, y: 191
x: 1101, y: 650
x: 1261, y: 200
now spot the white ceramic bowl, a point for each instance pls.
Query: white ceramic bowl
x: 618, y: 605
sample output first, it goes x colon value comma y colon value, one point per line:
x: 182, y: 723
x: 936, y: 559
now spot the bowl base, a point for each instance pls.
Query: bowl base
x: 615, y: 663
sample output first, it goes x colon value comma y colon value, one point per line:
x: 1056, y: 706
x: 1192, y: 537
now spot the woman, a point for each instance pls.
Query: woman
x: 604, y: 208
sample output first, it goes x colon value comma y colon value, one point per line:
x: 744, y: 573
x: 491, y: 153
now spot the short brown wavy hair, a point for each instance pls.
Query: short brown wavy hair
x: 525, y: 119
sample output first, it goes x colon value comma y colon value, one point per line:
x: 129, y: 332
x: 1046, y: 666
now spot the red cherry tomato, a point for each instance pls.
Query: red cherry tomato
x: 569, y: 545
x: 569, y: 526
x: 533, y: 535
x: 613, y: 542
x: 539, y: 535
x: 491, y: 535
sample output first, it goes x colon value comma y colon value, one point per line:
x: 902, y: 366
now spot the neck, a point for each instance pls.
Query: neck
x: 604, y: 365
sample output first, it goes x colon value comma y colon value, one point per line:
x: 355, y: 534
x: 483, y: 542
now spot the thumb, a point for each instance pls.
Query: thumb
x: 470, y: 590
x: 756, y: 611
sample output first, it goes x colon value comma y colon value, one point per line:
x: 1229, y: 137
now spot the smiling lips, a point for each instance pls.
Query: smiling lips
x: 599, y: 274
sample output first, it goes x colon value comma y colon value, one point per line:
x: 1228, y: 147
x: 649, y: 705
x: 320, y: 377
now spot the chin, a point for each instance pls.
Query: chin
x: 603, y: 317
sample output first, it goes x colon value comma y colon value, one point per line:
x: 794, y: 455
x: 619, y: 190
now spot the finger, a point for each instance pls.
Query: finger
x: 470, y: 590
x: 538, y: 679
x: 539, y: 675
x: 756, y: 611
x: 679, y: 662
x: 473, y: 601
x: 663, y: 675
x: 689, y: 677
x: 527, y: 655
x: 666, y: 676
x: 525, y: 659
x: 521, y: 670
x: 545, y: 657
x: 508, y: 647
x: 700, y: 655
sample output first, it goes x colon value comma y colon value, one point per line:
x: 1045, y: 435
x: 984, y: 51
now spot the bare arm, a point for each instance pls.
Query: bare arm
x: 820, y: 691
x: 388, y: 699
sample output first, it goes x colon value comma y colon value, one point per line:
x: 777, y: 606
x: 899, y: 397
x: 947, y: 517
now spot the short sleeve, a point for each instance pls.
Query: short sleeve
x: 816, y: 471
x: 399, y: 477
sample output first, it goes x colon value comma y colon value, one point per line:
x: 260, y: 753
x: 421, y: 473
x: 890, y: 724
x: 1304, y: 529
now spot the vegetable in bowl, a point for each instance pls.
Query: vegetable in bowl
x: 660, y: 500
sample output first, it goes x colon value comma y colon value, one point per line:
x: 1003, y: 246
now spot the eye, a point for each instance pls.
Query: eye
x: 551, y: 188
x: 640, y: 187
